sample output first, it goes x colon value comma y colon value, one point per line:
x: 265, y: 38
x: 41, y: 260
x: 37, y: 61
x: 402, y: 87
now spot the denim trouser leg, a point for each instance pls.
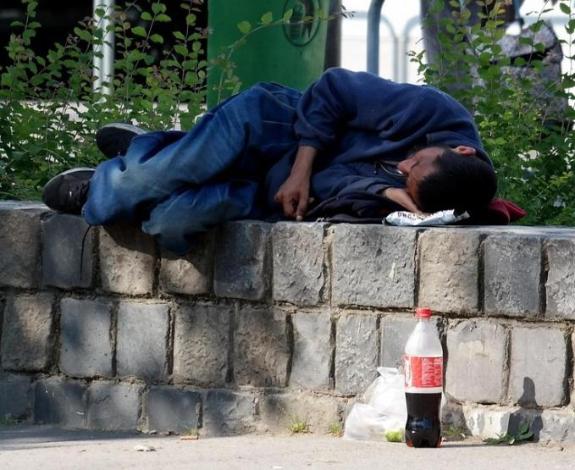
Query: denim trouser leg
x: 197, y: 209
x: 256, y: 124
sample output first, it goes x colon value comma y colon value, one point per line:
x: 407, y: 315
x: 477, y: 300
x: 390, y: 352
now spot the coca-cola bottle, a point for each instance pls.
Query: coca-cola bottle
x: 423, y: 364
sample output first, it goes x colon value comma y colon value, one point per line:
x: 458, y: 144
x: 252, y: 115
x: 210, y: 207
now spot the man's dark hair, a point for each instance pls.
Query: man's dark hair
x: 463, y: 183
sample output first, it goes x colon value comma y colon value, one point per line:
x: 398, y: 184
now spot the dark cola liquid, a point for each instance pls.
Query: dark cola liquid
x: 423, y: 427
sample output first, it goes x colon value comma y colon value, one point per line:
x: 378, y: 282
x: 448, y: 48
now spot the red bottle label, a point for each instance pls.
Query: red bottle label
x: 423, y: 372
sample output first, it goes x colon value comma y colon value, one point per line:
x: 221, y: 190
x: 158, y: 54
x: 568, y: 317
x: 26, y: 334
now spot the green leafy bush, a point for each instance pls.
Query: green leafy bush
x: 533, y: 152
x: 50, y: 110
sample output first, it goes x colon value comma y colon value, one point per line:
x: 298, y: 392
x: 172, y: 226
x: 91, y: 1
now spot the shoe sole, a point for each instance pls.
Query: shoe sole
x: 112, y: 147
x: 68, y: 172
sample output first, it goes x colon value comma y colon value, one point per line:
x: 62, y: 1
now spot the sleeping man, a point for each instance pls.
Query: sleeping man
x: 270, y: 150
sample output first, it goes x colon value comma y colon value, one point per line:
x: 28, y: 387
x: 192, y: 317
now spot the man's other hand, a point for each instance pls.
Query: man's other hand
x: 401, y: 197
x: 293, y: 196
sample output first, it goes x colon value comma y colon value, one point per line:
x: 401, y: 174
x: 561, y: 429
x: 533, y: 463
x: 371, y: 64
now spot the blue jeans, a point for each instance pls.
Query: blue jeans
x: 176, y: 183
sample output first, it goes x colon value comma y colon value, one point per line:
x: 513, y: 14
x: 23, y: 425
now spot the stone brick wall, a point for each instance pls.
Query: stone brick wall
x: 263, y: 325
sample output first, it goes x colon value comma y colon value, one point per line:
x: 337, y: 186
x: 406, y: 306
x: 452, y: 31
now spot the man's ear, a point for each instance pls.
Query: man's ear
x: 465, y: 151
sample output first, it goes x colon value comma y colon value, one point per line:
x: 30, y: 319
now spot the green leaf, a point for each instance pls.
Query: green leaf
x: 245, y: 27
x: 564, y: 7
x: 157, y: 38
x: 146, y: 16
x: 83, y: 34
x: 181, y: 49
x: 288, y: 15
x: 179, y: 35
x: 191, y: 19
x: 163, y: 18
x: 267, y: 18
x: 158, y: 8
x: 139, y: 31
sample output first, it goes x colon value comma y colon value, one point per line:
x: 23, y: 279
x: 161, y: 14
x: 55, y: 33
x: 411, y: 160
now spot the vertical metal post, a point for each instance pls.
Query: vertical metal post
x: 333, y: 41
x: 104, y: 53
x: 373, y: 19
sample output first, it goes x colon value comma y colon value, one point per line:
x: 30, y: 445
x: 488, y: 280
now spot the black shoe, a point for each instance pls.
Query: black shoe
x: 68, y: 191
x: 114, y: 139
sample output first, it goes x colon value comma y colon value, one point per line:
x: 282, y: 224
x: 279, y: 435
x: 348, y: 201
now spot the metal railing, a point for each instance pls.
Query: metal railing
x: 104, y: 53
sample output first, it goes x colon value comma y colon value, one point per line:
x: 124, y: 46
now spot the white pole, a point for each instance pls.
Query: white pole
x: 104, y: 66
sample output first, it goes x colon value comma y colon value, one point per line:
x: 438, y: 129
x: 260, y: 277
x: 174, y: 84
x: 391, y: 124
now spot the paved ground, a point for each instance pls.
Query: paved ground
x: 46, y: 448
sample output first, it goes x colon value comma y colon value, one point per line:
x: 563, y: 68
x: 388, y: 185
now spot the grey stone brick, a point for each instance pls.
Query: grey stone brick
x: 488, y: 422
x: 15, y: 397
x: 142, y: 340
x: 170, y: 409
x: 191, y: 274
x: 297, y: 272
x: 476, y: 366
x: 373, y: 266
x: 86, y: 349
x: 126, y: 261
x: 202, y: 336
x: 560, y: 283
x: 449, y: 270
x: 59, y: 401
x: 26, y: 336
x: 538, y: 366
x: 243, y: 261
x: 64, y: 263
x: 261, y: 349
x: 113, y: 407
x: 19, y: 248
x: 512, y: 275
x: 355, y: 353
x: 395, y: 330
x: 227, y: 413
x: 557, y: 426
x: 312, y: 351
x: 280, y: 411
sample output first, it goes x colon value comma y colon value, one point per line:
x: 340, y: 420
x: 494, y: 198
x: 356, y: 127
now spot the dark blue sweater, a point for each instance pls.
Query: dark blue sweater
x: 364, y: 125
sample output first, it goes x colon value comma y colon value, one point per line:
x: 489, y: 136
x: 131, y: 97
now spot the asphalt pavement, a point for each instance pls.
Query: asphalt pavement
x: 47, y: 448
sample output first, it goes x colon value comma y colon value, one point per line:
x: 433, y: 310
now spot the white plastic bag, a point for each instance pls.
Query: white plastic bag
x: 383, y: 410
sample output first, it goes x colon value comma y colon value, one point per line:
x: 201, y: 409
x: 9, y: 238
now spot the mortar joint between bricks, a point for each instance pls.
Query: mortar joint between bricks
x: 481, y: 274
x: 543, y: 281
x: 327, y: 264
x: 291, y: 346
x: 233, y: 323
x: 507, y: 365
x: 417, y: 266
x: 54, y: 360
x: 378, y: 340
x: 115, y: 307
x: 172, y: 307
x: 569, y: 365
x: 333, y: 345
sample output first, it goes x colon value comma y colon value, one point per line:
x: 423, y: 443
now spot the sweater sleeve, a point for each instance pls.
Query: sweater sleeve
x: 355, y: 100
x: 338, y: 180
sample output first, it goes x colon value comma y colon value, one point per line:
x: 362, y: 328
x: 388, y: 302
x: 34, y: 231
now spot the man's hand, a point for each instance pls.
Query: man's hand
x: 401, y: 197
x: 293, y: 195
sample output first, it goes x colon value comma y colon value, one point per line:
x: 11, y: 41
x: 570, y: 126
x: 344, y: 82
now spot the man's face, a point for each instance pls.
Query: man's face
x: 417, y: 167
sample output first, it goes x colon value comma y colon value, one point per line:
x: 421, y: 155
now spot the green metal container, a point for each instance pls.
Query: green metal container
x: 292, y: 53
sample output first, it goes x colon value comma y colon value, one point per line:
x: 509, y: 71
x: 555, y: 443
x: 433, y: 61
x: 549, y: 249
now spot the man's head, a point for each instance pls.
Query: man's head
x: 442, y: 177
